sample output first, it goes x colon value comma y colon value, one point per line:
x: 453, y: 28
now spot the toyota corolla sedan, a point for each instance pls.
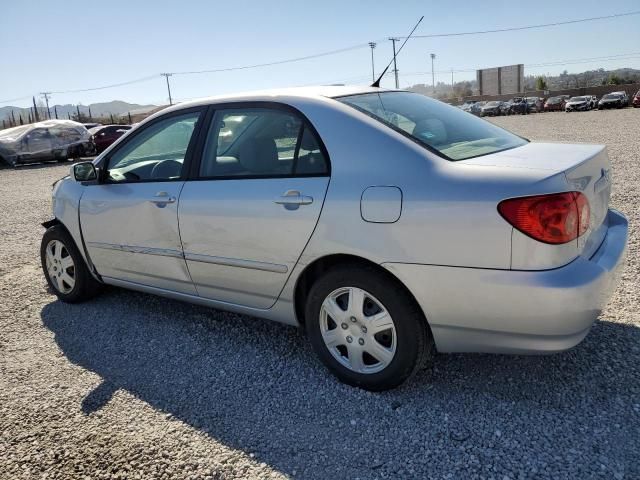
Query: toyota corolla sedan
x: 387, y: 224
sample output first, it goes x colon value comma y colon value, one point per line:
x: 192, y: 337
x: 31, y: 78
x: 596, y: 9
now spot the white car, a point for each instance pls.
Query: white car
x: 387, y: 224
x: 575, y: 104
x: 47, y: 140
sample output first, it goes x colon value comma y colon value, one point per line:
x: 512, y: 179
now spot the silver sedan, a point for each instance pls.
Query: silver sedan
x: 387, y: 224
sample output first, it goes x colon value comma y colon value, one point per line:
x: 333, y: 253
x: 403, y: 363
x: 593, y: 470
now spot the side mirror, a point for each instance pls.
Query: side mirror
x: 84, y: 172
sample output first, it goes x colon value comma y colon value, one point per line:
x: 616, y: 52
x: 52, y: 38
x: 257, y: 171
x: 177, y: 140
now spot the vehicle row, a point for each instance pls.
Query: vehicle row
x: 566, y: 103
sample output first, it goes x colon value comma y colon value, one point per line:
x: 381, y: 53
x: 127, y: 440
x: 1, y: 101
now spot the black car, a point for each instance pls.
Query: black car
x: 505, y: 108
x: 491, y: 109
x: 614, y: 100
x: 519, y: 105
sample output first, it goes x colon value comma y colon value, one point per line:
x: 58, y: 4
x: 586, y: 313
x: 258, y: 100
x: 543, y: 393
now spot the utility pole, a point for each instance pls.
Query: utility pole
x: 46, y: 99
x: 55, y: 109
x: 35, y: 110
x: 373, y: 68
x: 395, y: 66
x: 433, y: 74
x: 167, y: 75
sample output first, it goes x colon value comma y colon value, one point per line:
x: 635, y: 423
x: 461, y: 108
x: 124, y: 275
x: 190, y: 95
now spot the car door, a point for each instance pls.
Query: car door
x: 129, y: 220
x: 39, y: 143
x: 254, y: 202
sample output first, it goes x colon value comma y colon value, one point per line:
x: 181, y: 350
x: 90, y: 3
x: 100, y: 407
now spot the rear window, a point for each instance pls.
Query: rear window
x: 443, y: 129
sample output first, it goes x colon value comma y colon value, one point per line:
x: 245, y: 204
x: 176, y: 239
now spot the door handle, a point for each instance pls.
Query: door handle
x: 292, y: 199
x: 162, y: 198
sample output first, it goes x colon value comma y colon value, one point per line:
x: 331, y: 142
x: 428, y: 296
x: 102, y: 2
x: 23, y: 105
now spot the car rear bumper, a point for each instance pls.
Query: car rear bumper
x: 509, y: 311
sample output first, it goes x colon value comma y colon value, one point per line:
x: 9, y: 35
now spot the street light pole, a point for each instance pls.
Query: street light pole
x: 373, y: 68
x: 433, y: 75
x: 395, y: 66
x: 167, y: 75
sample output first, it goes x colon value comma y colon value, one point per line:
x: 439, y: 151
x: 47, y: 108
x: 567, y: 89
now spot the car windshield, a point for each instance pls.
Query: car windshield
x: 612, y: 96
x: 578, y: 99
x: 553, y: 100
x: 446, y: 130
x: 492, y: 104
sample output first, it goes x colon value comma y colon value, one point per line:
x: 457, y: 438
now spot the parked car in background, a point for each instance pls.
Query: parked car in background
x: 105, y: 135
x: 505, y: 108
x: 594, y: 101
x: 466, y: 106
x: 476, y: 108
x: 554, y: 104
x: 287, y: 207
x: 48, y: 140
x: 614, y: 100
x: 535, y: 104
x: 491, y: 109
x: 519, y: 105
x: 636, y: 99
x: 575, y: 104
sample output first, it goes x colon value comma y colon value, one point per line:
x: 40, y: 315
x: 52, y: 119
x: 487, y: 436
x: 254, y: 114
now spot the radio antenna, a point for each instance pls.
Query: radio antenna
x: 377, y: 82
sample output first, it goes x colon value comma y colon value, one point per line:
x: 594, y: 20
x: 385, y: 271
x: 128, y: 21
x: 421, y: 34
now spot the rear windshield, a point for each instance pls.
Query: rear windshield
x: 578, y: 99
x: 612, y: 96
x: 446, y: 130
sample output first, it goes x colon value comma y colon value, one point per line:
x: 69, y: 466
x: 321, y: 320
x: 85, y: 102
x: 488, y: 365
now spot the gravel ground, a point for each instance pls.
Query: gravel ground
x: 134, y: 386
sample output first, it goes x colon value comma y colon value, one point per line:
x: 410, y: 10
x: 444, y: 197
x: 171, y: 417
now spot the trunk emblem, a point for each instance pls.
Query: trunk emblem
x: 603, y: 181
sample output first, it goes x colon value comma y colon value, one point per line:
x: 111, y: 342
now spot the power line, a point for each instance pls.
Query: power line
x: 528, y: 27
x: 15, y: 99
x: 279, y: 62
x: 623, y: 56
x: 121, y: 84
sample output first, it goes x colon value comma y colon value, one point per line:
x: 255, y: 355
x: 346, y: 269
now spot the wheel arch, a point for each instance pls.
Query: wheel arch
x: 318, y: 267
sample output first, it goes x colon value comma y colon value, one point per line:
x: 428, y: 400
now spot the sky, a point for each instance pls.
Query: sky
x: 71, y: 45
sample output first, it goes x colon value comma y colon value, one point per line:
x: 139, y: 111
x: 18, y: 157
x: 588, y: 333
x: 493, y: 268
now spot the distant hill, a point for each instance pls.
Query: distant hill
x: 116, y: 108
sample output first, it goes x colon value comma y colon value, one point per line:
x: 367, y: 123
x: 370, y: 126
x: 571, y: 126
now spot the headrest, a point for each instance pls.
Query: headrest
x: 258, y: 155
x: 432, y: 131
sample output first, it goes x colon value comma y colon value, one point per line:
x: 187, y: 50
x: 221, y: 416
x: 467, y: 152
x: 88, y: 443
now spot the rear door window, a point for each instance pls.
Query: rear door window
x: 260, y: 142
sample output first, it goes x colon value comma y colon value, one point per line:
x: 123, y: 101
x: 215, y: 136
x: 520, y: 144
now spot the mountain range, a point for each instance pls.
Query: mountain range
x: 116, y: 108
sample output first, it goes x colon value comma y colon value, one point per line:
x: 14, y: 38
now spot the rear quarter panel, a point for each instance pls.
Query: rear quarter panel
x: 449, y: 209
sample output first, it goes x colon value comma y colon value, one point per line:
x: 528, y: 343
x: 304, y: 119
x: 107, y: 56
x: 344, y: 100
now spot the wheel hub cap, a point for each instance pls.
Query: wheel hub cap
x: 358, y: 330
x: 60, y: 266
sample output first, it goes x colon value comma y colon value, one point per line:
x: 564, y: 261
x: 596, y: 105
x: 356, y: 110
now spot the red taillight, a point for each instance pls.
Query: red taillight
x: 555, y: 218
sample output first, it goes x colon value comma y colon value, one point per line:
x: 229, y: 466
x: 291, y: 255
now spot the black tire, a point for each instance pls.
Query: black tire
x: 414, y: 342
x: 86, y: 286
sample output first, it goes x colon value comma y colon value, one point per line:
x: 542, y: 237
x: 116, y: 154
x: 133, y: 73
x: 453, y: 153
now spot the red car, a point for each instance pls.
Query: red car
x: 554, y: 104
x: 105, y: 135
x: 636, y: 100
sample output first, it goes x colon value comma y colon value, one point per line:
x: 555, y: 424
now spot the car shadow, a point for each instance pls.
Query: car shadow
x: 256, y: 386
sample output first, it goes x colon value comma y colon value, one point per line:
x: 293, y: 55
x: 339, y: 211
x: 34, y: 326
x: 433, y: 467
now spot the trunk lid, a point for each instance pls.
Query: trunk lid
x: 586, y: 168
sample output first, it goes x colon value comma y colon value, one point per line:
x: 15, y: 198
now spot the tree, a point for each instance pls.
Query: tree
x: 541, y: 83
x: 614, y: 79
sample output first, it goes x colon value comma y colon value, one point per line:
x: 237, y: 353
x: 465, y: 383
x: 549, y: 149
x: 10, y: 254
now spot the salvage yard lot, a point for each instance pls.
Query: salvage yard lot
x: 134, y: 386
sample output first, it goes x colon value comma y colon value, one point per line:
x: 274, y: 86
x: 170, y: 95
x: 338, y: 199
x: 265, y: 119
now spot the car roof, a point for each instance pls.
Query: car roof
x: 318, y: 91
x: 285, y: 95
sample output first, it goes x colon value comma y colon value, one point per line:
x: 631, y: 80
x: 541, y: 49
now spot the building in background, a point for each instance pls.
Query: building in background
x: 501, y: 80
